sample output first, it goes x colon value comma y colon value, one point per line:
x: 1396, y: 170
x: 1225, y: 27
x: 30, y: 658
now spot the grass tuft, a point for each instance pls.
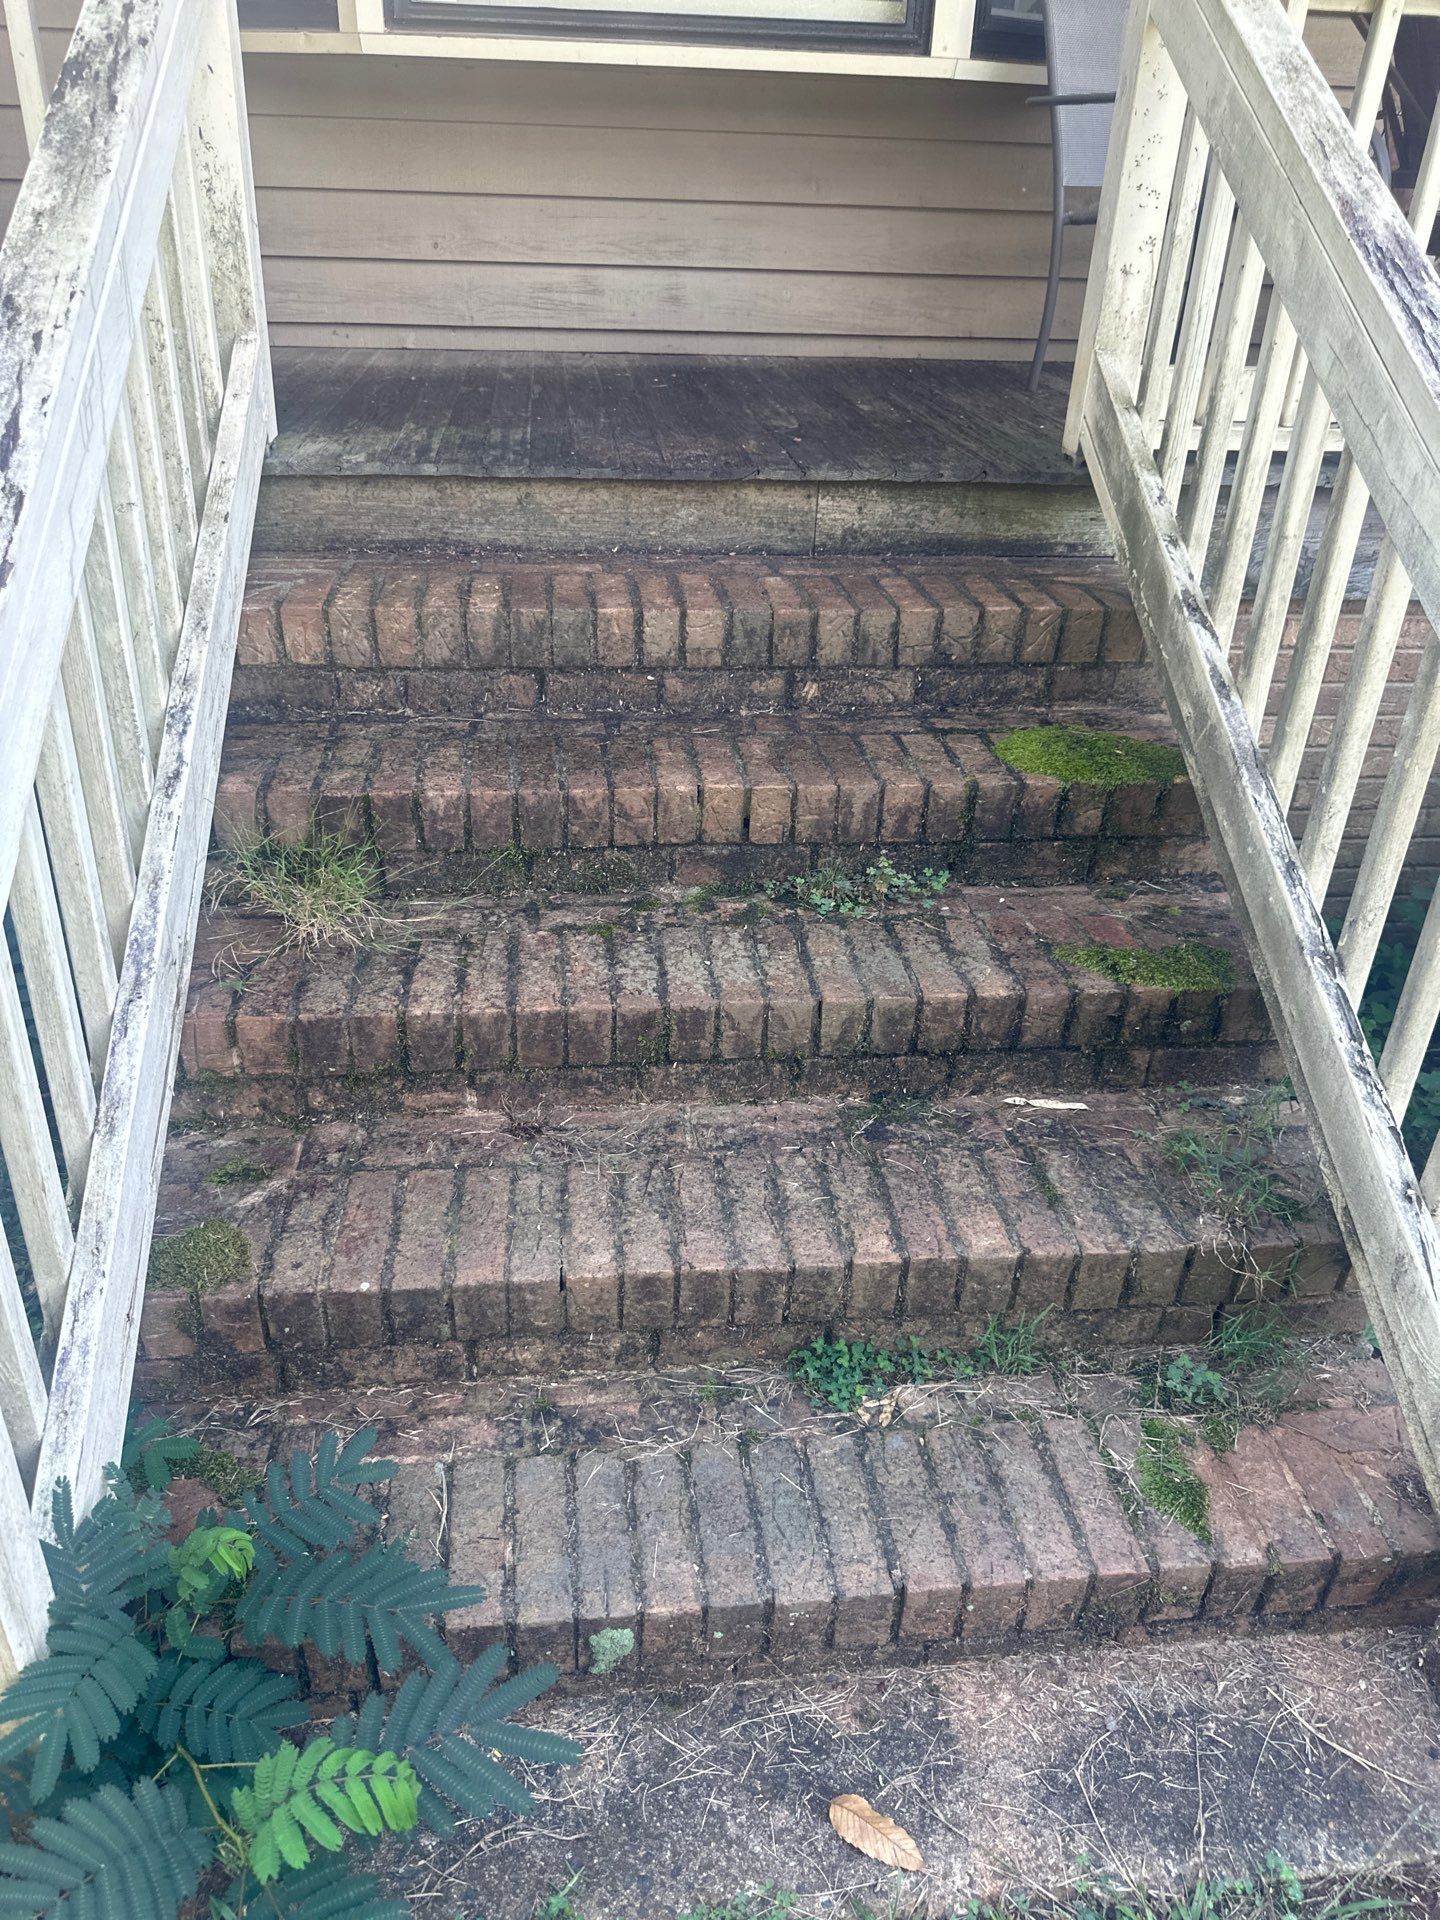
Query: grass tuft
x: 1089, y: 756
x: 237, y: 1171
x: 1231, y: 1164
x: 1167, y: 1479
x: 324, y: 889
x: 844, y: 1374
x: 1189, y: 966
x: 214, y: 1254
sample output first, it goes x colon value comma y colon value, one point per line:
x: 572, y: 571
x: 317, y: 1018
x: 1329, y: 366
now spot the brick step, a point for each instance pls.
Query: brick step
x: 593, y: 995
x: 972, y: 1528
x: 691, y: 805
x: 433, y: 1248
x: 320, y: 634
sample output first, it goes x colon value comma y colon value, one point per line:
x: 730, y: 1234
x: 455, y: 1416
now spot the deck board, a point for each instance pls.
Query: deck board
x: 658, y: 417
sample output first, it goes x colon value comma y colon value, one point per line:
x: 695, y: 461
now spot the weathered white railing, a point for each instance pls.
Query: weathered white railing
x: 135, y: 404
x: 1231, y: 166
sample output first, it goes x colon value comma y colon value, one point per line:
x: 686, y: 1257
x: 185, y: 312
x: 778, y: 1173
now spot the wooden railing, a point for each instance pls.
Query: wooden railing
x: 1238, y: 196
x: 135, y: 405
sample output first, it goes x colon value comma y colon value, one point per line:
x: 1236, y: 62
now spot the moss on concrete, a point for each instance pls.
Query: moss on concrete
x: 1088, y: 756
x: 1187, y: 966
x: 214, y: 1254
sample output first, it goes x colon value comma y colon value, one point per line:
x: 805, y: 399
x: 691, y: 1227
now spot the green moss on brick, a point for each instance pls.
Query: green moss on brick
x: 1090, y: 757
x: 1168, y: 1480
x: 1187, y: 966
x: 214, y: 1254
x: 227, y: 1478
x: 238, y: 1172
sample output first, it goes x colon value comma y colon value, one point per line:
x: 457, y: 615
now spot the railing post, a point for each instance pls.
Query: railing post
x: 1134, y: 208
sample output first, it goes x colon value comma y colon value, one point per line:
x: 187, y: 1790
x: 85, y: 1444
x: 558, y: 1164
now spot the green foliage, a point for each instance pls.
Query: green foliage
x: 843, y: 1374
x: 766, y: 1904
x: 1168, y: 1480
x: 323, y: 889
x: 1231, y: 1163
x: 317, y: 1794
x: 452, y: 1725
x: 1088, y: 756
x: 841, y: 891
x: 1187, y: 966
x: 151, y: 1454
x: 1271, y: 1891
x: 609, y: 1647
x: 202, y: 1258
x: 129, y: 1857
x: 1190, y: 1383
x: 1383, y: 987
x: 145, y: 1749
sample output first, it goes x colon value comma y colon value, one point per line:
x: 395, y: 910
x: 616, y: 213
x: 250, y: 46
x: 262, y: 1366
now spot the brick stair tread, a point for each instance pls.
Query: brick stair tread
x: 805, y: 1541
x: 425, y: 791
x: 434, y: 1247
x: 594, y: 986
x: 695, y: 614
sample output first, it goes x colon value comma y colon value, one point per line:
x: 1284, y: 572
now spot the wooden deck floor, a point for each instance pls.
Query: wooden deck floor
x: 662, y: 417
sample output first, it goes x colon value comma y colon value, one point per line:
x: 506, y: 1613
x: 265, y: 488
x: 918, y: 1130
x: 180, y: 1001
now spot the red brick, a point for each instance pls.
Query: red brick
x: 544, y: 1577
x: 397, y: 617
x: 931, y: 1583
x: 535, y: 1302
x: 705, y: 621
x: 349, y: 612
x: 615, y: 620
x: 529, y: 617
x: 419, y: 1310
x: 486, y: 625
x: 793, y: 621
x: 605, y: 1597
x: 1122, y: 1573
x: 660, y: 616
x: 302, y: 621
x: 734, y: 1592
x: 668, y: 1573
x: 478, y: 1549
x: 478, y: 1290
x: 748, y: 641
x: 763, y: 1265
x: 705, y: 1256
x: 1060, y: 1573
x: 591, y: 1252
x: 997, y: 1578
x: 573, y: 621
x: 644, y: 1213
x: 867, y: 1601
x: 258, y: 642
x: 354, y: 1301
x: 794, y: 1550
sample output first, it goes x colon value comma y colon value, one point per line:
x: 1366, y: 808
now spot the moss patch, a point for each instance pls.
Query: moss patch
x: 214, y: 1254
x: 1188, y: 966
x: 227, y: 1478
x: 238, y: 1172
x: 1167, y: 1479
x: 1091, y: 757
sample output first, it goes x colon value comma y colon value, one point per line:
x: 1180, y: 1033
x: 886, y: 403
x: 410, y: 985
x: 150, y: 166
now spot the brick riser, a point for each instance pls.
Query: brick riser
x: 904, y: 1546
x: 415, y: 1251
x: 370, y: 636
x: 742, y: 1001
x: 740, y: 805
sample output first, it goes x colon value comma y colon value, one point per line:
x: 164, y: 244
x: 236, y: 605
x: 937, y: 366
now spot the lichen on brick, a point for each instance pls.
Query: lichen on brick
x: 213, y: 1254
x: 1090, y: 757
x: 1186, y: 966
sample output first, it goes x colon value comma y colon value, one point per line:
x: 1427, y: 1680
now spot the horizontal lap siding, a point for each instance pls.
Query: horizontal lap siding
x: 456, y: 204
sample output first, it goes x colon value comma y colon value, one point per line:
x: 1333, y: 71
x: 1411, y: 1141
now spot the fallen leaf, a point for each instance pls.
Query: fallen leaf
x: 1046, y: 1106
x: 860, y: 1826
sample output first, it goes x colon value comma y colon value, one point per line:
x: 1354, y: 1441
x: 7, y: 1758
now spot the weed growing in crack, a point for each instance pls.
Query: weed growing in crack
x: 844, y: 1374
x: 845, y: 893
x: 1230, y: 1164
x: 323, y: 889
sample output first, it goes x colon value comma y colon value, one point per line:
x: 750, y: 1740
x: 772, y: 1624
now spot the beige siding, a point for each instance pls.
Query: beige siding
x: 457, y: 203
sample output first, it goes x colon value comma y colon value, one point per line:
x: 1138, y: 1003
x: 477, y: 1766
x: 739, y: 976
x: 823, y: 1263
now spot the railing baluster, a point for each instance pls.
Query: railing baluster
x: 99, y: 780
x: 176, y: 308
x: 1306, y: 454
x: 107, y: 605
x: 1411, y: 1029
x: 1173, y: 275
x: 173, y: 435
x: 22, y: 1385
x: 137, y: 571
x: 55, y: 1009
x: 1196, y: 327
x: 195, y: 284
x: 170, y: 556
x: 77, y: 883
x: 29, y: 1158
x: 1388, y: 842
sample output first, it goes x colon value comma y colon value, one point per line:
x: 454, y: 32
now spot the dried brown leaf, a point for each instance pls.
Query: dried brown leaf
x: 872, y: 1833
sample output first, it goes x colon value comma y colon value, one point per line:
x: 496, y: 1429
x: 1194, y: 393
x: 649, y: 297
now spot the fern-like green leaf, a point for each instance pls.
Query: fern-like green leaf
x: 326, y: 1890
x: 151, y: 1453
x: 451, y: 1724
x: 317, y: 1794
x: 108, y: 1856
x: 347, y: 1603
x: 315, y: 1503
x: 116, y: 1553
x: 226, y: 1715
x: 72, y: 1699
